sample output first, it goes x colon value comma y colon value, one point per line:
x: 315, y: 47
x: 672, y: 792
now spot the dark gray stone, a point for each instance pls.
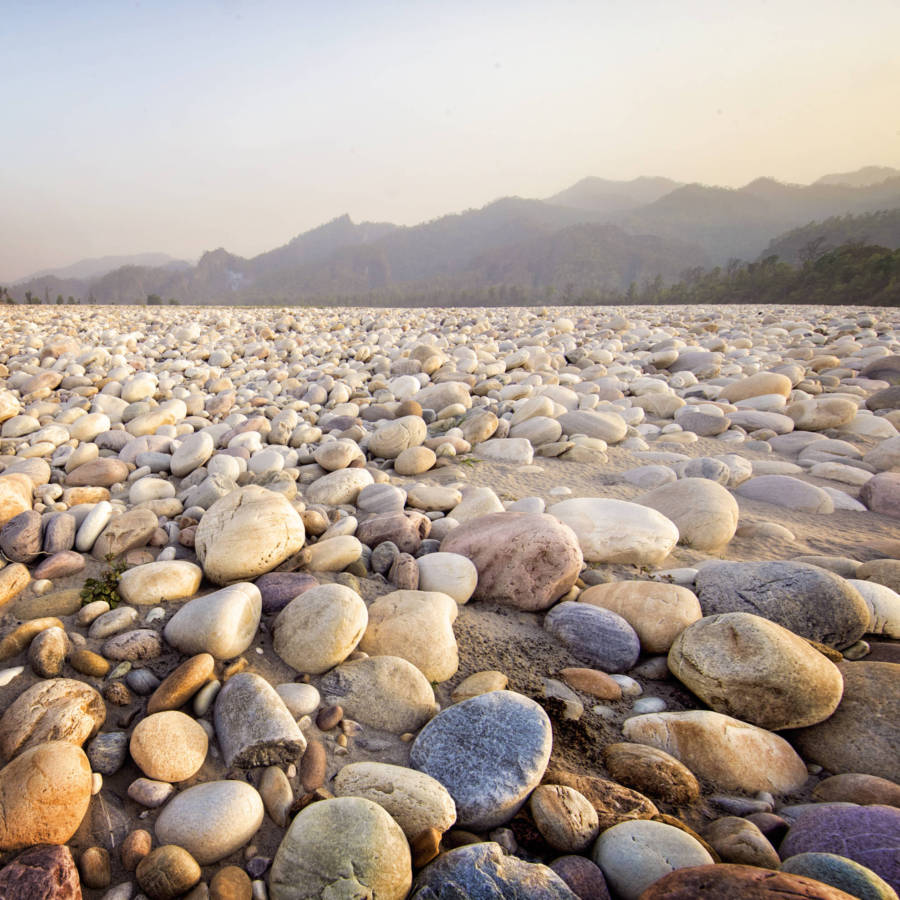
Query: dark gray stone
x: 112, y: 440
x: 383, y: 556
x: 253, y: 726
x: 484, y: 872
x: 490, y: 752
x: 59, y: 532
x: 107, y: 752
x: 20, y: 537
x: 807, y: 600
x: 142, y: 681
x: 707, y: 467
x: 599, y: 637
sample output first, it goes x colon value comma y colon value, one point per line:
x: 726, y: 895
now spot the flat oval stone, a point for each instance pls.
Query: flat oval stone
x: 133, y: 645
x: 597, y: 636
x: 182, y: 684
x: 211, y: 820
x: 841, y: 873
x: 160, y: 582
x: 634, y: 855
x: 222, y: 624
x: 490, y: 752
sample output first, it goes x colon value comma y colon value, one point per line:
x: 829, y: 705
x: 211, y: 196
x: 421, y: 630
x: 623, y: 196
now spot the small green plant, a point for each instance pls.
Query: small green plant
x: 106, y: 587
x: 467, y: 461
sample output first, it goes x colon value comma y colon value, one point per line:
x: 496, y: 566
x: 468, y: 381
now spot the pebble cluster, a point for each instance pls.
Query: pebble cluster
x: 560, y: 603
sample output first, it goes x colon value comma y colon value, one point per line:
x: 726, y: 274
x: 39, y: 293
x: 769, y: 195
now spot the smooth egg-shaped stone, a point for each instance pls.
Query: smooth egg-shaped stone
x: 222, y: 624
x: 211, y: 820
x: 160, y: 582
x: 448, y: 573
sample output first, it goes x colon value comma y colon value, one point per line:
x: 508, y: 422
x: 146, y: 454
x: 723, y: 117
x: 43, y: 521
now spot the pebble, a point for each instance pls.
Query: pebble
x: 167, y: 872
x: 168, y: 746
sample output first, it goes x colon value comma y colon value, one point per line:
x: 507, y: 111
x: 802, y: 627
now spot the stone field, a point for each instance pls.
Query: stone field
x: 530, y: 603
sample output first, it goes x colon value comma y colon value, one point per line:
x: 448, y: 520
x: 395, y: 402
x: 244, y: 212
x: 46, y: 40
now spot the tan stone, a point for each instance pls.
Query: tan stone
x: 15, y: 495
x: 657, y: 611
x: 14, y: 579
x: 21, y: 636
x: 592, y: 681
x: 179, y: 686
x: 168, y: 746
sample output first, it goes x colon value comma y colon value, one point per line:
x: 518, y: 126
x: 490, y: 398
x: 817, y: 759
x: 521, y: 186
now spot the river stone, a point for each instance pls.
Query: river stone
x: 616, y: 531
x: 385, y: 692
x: 608, y: 426
x: 20, y: 537
x: 705, y: 514
x: 406, y: 532
x: 168, y: 746
x: 107, y: 752
x: 756, y: 385
x: 448, y: 573
x: 253, y: 726
x: 15, y: 495
x: 247, y: 532
x: 785, y: 490
x: 279, y: 588
x: 60, y: 565
x: 344, y: 847
x: 526, y: 560
x: 179, y: 686
x: 750, y: 668
x: 342, y: 486
x: 881, y: 494
x: 384, y: 498
x: 651, y: 771
x: 125, y: 532
x: 612, y: 802
x: 841, y: 873
x: 657, y: 611
x: 416, y: 801
x: 722, y: 750
x: 102, y: 472
x: 160, y: 582
x: 869, y: 835
x: 59, y: 533
x: 633, y: 855
x: 58, y: 709
x: 47, y: 872
x: 863, y: 734
x: 222, y: 624
x: 595, y: 635
x: 320, y: 628
x: 855, y: 787
x: 738, y: 840
x: 819, y: 413
x: 490, y: 752
x: 143, y: 643
x: 192, y: 452
x: 334, y: 554
x: 746, y: 882
x: 47, y: 652
x: 417, y: 626
x: 44, y: 795
x: 805, y: 599
x: 14, y: 579
x: 484, y: 870
x: 167, y: 872
x: 211, y: 820
x: 564, y: 817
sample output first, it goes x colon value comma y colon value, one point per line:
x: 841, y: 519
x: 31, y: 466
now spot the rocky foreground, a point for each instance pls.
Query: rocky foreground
x: 538, y: 604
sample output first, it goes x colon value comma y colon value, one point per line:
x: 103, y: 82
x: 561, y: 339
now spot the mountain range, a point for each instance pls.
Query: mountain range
x: 596, y: 235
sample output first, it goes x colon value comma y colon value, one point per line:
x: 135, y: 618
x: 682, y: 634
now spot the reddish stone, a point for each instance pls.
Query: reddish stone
x: 46, y: 871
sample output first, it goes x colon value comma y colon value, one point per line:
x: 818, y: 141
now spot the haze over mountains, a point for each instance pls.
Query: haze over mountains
x: 596, y: 235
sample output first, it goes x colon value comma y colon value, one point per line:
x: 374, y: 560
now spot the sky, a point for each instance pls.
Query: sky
x: 179, y: 127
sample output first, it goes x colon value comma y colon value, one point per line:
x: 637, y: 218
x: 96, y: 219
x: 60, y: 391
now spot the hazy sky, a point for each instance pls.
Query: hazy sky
x: 184, y: 126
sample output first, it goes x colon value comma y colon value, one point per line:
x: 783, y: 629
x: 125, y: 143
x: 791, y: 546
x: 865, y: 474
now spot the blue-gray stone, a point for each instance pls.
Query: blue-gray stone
x: 597, y: 636
x: 842, y: 873
x: 484, y: 872
x: 107, y: 752
x: 804, y: 599
x: 490, y: 752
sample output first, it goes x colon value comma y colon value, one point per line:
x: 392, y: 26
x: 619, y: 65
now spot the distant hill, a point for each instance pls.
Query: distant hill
x: 738, y: 224
x: 605, y: 196
x: 880, y: 228
x: 95, y: 268
x: 861, y: 177
x: 596, y: 236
